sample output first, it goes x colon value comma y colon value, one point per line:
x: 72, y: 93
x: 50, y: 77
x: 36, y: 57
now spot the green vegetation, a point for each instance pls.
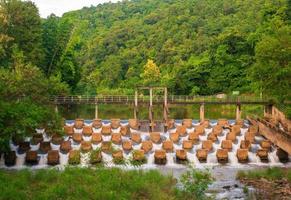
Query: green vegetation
x: 74, y: 157
x: 269, y: 173
x: 96, y: 156
x: 194, y: 184
x: 192, y: 47
x: 76, y: 183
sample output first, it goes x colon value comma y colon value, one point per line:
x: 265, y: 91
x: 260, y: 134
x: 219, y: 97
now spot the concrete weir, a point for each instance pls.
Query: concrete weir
x: 117, y: 142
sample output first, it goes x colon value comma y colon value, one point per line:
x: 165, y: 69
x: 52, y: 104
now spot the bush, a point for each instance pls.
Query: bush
x: 96, y: 156
x: 194, y: 184
x: 74, y: 157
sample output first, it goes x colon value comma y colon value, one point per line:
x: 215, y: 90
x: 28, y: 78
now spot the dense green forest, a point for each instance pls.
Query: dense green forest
x: 191, y: 46
x: 198, y: 46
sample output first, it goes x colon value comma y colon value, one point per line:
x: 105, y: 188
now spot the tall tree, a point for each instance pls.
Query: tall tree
x: 22, y: 24
x: 151, y: 74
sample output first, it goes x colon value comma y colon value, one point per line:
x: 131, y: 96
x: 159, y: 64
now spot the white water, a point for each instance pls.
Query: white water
x: 191, y: 155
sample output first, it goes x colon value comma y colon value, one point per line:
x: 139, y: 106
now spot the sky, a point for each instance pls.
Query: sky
x: 59, y: 7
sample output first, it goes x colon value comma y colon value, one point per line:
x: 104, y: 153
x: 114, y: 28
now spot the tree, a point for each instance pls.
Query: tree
x: 22, y: 25
x: 151, y: 74
x: 272, y: 71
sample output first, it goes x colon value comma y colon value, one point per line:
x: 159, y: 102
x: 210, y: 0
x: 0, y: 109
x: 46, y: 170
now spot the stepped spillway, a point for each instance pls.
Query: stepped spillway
x: 129, y: 143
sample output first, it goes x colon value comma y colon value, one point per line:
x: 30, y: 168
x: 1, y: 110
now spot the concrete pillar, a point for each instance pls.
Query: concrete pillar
x: 202, y: 112
x: 56, y: 108
x: 165, y: 104
x: 238, y: 112
x: 96, y: 111
x: 151, y: 106
x: 135, y: 104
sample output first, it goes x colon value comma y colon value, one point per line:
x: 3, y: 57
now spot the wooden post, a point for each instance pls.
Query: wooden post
x: 135, y: 104
x: 238, y: 112
x: 96, y: 111
x: 202, y: 112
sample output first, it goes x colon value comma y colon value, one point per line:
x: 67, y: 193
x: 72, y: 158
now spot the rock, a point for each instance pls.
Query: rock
x: 212, y: 137
x: 115, y: 123
x: 146, y: 146
x: 250, y: 137
x: 57, y: 139
x: 97, y: 123
x: 69, y: 130
x: 199, y: 130
x: 86, y: 146
x: 181, y: 156
x: 240, y: 122
x: 87, y: 130
x: 170, y: 124
x: 226, y: 144
x: 181, y: 130
x: 124, y: 130
x: 127, y: 145
x: 217, y: 130
x: 282, y: 155
x: 10, y: 158
x: 168, y: 146
x: 53, y: 157
x: 96, y: 157
x: 207, y: 145
x: 155, y: 137
x: 263, y: 155
x: 31, y: 158
x: 187, y: 145
x: 116, y: 138
x: 174, y: 137
x: 45, y: 147
x: 265, y: 144
x: 117, y: 156
x: 160, y: 157
x: 205, y: 123
x: 17, y: 139
x: 134, y: 124
x: 135, y: 137
x: 222, y: 155
x: 66, y: 146
x: 187, y: 123
x: 79, y: 123
x: 77, y: 137
x: 106, y: 146
x: 231, y: 136
x: 201, y: 154
x: 23, y: 147
x: 253, y: 129
x: 194, y: 137
x: 36, y: 139
x: 236, y: 129
x: 106, y: 130
x: 242, y: 155
x: 245, y: 144
x: 74, y: 157
x: 222, y: 122
x: 138, y: 155
x: 96, y: 138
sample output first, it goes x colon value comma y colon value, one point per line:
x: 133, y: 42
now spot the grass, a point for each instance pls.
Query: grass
x: 269, y: 174
x: 79, y: 183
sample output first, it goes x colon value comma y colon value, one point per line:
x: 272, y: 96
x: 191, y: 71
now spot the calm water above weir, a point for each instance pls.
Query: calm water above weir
x: 176, y: 111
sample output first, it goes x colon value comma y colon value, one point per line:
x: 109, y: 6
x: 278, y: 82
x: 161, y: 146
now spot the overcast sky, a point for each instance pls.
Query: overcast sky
x: 58, y: 7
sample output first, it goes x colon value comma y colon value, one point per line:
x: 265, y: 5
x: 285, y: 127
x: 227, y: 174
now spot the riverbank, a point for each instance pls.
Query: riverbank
x: 271, y: 183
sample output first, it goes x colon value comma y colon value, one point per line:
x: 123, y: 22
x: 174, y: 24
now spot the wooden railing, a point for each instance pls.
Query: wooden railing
x: 172, y: 99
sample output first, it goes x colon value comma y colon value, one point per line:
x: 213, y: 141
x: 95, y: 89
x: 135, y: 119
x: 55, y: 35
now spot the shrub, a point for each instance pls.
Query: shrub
x: 96, y: 156
x: 194, y: 183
